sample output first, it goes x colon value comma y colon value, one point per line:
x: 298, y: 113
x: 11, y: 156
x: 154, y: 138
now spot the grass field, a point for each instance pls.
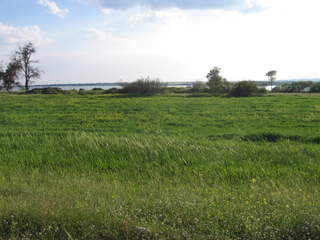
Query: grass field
x: 159, y: 167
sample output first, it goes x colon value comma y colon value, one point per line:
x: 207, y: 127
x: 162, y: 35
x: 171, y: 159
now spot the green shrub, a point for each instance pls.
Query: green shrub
x: 176, y: 90
x: 262, y: 89
x: 111, y: 91
x: 244, y: 89
x: 90, y: 92
x: 144, y: 86
x: 276, y: 89
x: 315, y: 88
x: 194, y: 90
x: 198, y: 86
x: 300, y: 86
x: 47, y: 90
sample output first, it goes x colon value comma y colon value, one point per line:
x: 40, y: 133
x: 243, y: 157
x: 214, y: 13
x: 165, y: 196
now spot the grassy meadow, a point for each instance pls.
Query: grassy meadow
x: 159, y: 167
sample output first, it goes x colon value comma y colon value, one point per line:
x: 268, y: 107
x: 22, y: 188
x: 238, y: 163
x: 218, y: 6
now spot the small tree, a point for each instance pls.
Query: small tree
x: 10, y: 76
x: 217, y: 83
x: 22, y: 58
x: 1, y: 75
x: 272, y: 76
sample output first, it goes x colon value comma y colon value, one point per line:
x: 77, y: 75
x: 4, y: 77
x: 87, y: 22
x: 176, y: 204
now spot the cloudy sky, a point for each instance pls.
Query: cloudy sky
x: 82, y: 41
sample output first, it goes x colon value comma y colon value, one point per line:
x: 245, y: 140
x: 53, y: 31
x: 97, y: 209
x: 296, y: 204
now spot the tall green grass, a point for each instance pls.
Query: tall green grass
x: 183, y: 168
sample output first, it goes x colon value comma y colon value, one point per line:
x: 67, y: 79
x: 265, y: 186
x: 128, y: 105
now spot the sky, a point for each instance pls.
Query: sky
x: 97, y: 41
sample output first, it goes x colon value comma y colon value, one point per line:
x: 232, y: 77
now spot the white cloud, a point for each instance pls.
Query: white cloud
x: 53, y: 7
x: 10, y: 34
x: 245, y: 46
x: 100, y: 34
x: 106, y: 10
x: 152, y: 18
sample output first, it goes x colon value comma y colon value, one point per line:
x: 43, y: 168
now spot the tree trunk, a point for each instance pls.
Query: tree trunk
x: 27, y: 84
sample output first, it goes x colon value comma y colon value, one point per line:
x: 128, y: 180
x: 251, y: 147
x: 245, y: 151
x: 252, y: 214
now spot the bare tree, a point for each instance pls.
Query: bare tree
x: 22, y: 58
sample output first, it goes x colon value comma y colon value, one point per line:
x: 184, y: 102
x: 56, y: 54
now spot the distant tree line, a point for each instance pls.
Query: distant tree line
x: 298, y: 87
x: 219, y: 85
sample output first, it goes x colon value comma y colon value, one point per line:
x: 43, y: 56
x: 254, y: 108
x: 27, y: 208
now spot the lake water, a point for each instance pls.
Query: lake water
x: 74, y: 86
x: 83, y: 86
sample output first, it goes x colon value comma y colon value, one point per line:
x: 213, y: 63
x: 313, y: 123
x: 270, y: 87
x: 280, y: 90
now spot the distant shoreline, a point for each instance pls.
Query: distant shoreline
x: 90, y: 86
x: 108, y: 85
x: 276, y: 82
x: 102, y: 84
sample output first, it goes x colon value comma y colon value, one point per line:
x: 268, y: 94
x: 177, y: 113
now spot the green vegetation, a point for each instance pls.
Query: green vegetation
x: 173, y: 166
x: 143, y: 86
x: 244, y: 89
x: 20, y: 65
x: 46, y: 90
x: 8, y: 78
x: 216, y: 83
x: 272, y: 76
x: 297, y: 87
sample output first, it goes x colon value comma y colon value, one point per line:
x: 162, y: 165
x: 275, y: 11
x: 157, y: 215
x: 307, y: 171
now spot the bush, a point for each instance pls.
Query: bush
x: 315, y: 88
x: 48, y: 90
x: 194, y: 90
x: 244, y: 89
x: 300, y: 86
x: 144, y: 86
x: 176, y: 90
x: 262, y: 90
x: 198, y: 86
x: 111, y: 91
x: 276, y: 89
x: 70, y: 92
